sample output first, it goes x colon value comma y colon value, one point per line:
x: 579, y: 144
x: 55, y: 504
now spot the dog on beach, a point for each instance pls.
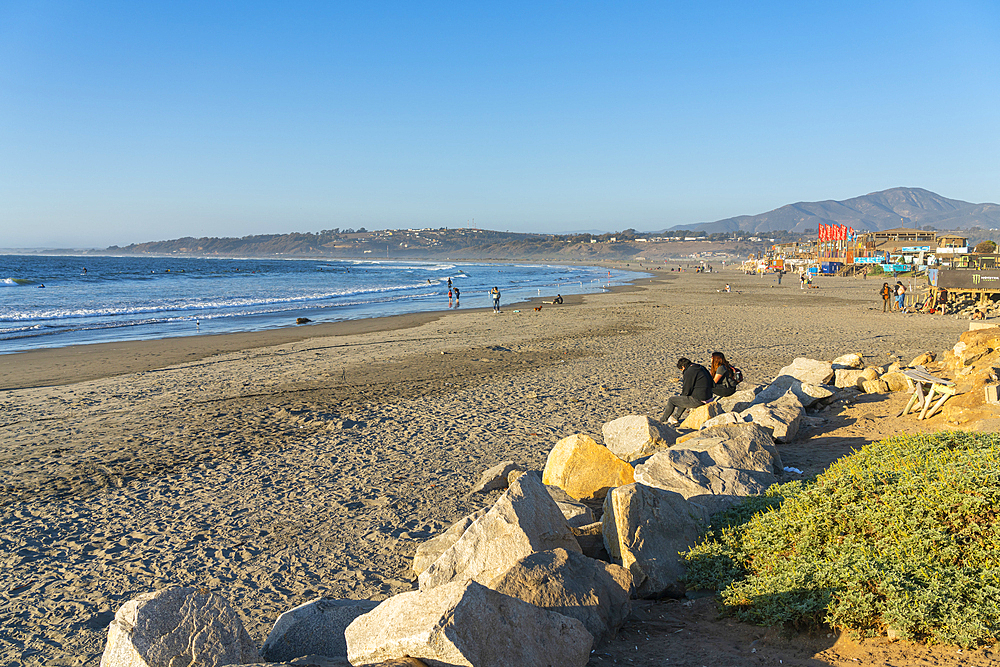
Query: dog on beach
x: 537, y: 308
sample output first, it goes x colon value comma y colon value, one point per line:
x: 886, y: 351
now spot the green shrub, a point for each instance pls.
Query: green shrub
x: 901, y: 537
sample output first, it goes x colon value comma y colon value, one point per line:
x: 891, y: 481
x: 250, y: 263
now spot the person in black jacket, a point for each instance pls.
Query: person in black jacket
x: 696, y: 390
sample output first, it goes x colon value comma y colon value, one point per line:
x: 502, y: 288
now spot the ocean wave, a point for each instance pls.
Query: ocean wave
x: 259, y: 304
x: 15, y: 281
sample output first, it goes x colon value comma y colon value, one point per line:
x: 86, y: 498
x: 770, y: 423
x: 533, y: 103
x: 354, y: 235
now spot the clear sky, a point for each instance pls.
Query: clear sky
x: 126, y: 121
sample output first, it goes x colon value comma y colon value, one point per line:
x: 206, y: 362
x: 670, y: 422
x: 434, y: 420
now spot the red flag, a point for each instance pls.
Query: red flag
x: 843, y: 232
x: 851, y: 234
x: 822, y: 233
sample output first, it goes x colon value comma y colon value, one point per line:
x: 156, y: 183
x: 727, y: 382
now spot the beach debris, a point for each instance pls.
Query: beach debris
x: 494, y: 478
x: 847, y: 377
x: 302, y: 320
x: 177, y: 625
x: 316, y: 627
x: 594, y: 592
x: 793, y: 470
x: 584, y: 469
x: 698, y: 416
x: 523, y: 520
x: 645, y: 528
x: 852, y: 360
x: 809, y: 370
x: 466, y: 623
x: 431, y: 550
x: 718, y: 468
x: 634, y: 436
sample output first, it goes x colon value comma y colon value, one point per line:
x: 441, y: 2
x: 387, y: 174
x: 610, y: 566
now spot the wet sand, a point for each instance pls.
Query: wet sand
x: 278, y: 466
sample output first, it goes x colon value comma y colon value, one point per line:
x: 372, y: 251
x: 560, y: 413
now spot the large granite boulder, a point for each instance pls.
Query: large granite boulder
x: 896, y: 381
x: 431, y: 550
x: 852, y: 360
x: 698, y: 416
x: 635, y: 436
x: 718, y: 469
x: 847, y: 377
x: 466, y: 623
x: 313, y: 628
x: 584, y: 469
x: 809, y: 371
x: 523, y: 520
x: 592, y: 591
x: 725, y: 419
x: 177, y: 626
x: 494, y: 478
x: 781, y: 418
x: 645, y: 529
x: 806, y: 393
x: 739, y: 401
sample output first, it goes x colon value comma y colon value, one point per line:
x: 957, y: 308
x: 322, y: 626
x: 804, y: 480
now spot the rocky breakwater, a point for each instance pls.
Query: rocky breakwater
x: 548, y: 570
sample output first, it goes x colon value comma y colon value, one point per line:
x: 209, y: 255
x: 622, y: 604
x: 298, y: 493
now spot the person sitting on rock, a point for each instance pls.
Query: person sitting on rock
x: 722, y: 376
x: 696, y: 390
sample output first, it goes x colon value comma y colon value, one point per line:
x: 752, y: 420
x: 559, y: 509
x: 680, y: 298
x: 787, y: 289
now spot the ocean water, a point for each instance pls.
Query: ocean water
x: 88, y: 299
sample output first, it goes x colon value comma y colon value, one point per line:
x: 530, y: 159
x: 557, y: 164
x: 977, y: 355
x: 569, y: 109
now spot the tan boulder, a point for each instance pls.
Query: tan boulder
x: 698, y: 416
x: 847, y: 377
x: 636, y: 436
x: 897, y: 382
x: 871, y: 373
x: 852, y: 360
x: 584, y: 469
x: 875, y: 386
x: 922, y: 359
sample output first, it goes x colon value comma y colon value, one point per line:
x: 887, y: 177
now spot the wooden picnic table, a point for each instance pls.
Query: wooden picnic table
x: 943, y: 389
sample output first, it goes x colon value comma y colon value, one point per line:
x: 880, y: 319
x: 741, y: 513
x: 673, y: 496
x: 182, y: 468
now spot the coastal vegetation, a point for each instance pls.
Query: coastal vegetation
x: 900, y: 538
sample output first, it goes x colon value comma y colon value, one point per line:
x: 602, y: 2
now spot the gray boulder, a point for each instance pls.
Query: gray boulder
x: 645, y: 528
x: 523, y: 520
x: 316, y: 627
x: 431, y: 550
x: 634, y: 436
x: 466, y: 623
x: 177, y: 626
x: 809, y: 371
x: 718, y: 469
x: 739, y: 401
x: 805, y: 392
x: 494, y: 478
x: 594, y: 592
x: 576, y: 514
x: 725, y: 419
x: 781, y: 417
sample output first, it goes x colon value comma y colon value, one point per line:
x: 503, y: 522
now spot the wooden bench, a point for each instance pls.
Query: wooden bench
x: 936, y: 387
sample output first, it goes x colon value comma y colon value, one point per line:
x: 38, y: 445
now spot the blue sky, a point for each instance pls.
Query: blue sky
x: 128, y: 122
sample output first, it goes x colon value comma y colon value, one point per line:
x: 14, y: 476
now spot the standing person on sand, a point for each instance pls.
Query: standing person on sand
x: 802, y: 280
x: 901, y: 296
x: 696, y: 390
x: 885, y: 292
x: 495, y: 293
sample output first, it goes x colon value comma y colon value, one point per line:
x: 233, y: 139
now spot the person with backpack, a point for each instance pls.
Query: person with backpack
x: 696, y: 391
x: 724, y: 376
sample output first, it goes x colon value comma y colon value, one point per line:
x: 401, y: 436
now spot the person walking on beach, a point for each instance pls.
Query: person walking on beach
x: 495, y: 293
x: 457, y: 296
x: 723, y: 378
x: 780, y: 273
x: 802, y: 280
x: 885, y: 292
x: 901, y: 296
x: 696, y: 390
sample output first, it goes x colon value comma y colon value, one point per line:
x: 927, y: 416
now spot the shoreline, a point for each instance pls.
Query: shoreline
x: 55, y: 366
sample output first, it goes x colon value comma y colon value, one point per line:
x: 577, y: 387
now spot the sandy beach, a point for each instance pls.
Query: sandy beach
x: 280, y: 466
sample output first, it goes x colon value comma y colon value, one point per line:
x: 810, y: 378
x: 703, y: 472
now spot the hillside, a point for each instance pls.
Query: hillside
x: 877, y: 211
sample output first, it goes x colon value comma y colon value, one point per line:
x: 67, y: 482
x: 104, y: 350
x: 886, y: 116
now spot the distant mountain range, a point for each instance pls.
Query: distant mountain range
x: 878, y: 211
